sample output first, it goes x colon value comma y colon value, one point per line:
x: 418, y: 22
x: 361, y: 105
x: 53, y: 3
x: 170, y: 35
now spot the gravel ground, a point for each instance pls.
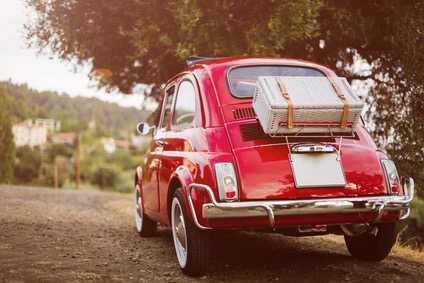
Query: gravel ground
x: 76, y: 236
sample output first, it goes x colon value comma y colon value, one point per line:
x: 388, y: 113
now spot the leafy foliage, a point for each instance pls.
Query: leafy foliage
x: 75, y: 113
x: 147, y: 42
x: 155, y: 45
x: 28, y: 164
x: 38, y: 166
x: 7, y: 145
x: 58, y: 149
x: 105, y: 176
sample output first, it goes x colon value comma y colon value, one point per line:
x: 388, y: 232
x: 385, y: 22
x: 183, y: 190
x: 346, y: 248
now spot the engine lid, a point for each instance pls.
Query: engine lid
x: 265, y: 171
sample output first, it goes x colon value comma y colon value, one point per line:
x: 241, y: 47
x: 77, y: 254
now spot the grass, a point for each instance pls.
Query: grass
x: 399, y: 249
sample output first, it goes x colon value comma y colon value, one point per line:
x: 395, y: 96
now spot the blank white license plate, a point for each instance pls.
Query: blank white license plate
x: 317, y: 170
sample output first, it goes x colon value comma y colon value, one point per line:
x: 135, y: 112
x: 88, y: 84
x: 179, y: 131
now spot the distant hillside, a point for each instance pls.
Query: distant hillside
x: 73, y: 112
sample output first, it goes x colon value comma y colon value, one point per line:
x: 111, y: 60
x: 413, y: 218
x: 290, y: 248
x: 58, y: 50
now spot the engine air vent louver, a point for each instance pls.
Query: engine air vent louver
x: 252, y: 131
x: 244, y: 113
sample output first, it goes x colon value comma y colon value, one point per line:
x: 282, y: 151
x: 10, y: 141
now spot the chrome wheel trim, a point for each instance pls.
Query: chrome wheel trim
x: 138, y: 210
x: 179, y: 232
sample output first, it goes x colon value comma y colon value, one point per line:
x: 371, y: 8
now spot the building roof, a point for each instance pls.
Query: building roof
x: 64, y: 137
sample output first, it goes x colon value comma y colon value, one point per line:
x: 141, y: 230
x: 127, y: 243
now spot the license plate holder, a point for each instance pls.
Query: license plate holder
x: 317, y: 169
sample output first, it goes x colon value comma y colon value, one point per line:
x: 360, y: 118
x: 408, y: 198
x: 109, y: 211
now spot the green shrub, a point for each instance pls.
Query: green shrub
x: 105, y: 177
x: 28, y: 164
x: 417, y: 211
x: 413, y: 229
x: 126, y: 182
x: 58, y: 149
x: 7, y: 145
x: 121, y: 158
x: 47, y: 177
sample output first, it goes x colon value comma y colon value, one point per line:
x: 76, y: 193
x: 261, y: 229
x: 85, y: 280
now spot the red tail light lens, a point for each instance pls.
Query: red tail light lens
x: 391, y: 176
x: 227, y: 181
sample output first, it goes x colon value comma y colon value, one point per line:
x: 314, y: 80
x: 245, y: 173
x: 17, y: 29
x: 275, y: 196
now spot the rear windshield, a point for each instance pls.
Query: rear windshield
x: 242, y: 80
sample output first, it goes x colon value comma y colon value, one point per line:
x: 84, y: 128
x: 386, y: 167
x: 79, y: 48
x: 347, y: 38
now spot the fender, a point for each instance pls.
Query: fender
x: 138, y: 175
x: 184, y: 176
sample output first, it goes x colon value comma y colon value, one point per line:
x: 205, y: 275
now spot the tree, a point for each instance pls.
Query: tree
x: 74, y: 113
x: 7, y: 144
x: 28, y: 164
x: 154, y: 37
x: 58, y: 149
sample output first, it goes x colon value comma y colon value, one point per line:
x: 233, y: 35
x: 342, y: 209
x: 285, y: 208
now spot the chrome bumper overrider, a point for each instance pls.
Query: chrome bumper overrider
x: 376, y: 204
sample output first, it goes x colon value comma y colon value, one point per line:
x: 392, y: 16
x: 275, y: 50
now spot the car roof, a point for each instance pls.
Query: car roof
x: 235, y: 61
x: 214, y: 63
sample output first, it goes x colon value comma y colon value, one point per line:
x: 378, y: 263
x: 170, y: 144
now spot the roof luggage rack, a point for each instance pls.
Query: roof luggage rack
x: 331, y: 133
x: 198, y: 59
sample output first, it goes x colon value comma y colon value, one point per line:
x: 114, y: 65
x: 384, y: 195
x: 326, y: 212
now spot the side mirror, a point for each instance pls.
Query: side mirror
x: 144, y: 128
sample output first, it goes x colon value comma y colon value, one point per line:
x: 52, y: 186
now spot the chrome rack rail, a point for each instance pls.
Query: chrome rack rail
x: 328, y: 134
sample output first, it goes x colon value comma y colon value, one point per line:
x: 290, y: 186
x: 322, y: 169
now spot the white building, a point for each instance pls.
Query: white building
x: 29, y: 134
x: 51, y: 124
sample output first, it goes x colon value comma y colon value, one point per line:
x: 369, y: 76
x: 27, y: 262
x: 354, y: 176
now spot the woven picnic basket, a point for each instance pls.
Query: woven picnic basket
x: 289, y: 105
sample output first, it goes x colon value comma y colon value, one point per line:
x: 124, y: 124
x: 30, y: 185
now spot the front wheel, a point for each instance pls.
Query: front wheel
x: 373, y: 247
x: 191, y: 244
x: 143, y: 224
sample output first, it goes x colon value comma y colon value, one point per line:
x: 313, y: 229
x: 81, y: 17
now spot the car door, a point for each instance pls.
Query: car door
x: 178, y: 140
x: 153, y: 157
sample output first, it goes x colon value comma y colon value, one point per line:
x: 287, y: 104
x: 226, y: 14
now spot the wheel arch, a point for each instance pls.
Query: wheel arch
x: 180, y: 179
x: 138, y: 176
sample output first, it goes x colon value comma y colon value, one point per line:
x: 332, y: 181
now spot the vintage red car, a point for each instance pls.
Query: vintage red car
x: 210, y: 166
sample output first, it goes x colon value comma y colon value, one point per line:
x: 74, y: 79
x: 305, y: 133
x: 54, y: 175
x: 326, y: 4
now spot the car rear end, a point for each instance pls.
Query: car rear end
x: 260, y: 187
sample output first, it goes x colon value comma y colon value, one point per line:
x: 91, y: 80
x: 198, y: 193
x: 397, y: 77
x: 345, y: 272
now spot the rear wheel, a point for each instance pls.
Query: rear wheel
x: 191, y: 244
x: 144, y: 225
x: 373, y: 247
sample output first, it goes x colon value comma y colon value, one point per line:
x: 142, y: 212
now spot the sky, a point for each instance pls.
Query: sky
x: 44, y: 72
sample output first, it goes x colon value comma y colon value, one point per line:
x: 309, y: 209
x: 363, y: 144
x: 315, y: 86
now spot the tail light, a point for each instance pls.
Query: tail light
x: 227, y: 181
x: 391, y: 176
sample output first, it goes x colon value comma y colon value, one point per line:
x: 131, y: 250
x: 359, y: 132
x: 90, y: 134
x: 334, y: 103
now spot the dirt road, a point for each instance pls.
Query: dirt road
x: 66, y: 236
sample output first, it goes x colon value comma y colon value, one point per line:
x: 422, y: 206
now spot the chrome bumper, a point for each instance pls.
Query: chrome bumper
x: 377, y: 205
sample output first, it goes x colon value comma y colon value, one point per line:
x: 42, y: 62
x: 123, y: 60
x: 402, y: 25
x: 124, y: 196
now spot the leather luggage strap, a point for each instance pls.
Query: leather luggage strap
x: 286, y: 96
x: 343, y: 121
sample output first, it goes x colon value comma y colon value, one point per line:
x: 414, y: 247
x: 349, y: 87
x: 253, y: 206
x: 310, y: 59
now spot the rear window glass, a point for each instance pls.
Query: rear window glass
x: 242, y: 80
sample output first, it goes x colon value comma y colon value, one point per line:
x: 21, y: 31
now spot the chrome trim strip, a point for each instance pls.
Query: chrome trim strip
x: 377, y: 204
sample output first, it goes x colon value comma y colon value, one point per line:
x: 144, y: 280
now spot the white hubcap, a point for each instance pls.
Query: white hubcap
x: 138, y: 210
x: 179, y: 232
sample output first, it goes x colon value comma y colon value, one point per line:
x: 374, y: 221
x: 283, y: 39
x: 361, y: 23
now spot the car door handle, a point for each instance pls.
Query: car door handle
x: 160, y: 142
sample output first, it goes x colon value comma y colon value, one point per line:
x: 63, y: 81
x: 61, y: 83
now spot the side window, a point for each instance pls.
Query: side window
x: 167, y: 107
x: 185, y: 106
x: 154, y: 118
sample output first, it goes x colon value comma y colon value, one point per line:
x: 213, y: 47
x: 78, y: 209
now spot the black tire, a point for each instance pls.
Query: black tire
x: 373, y: 248
x: 147, y: 227
x: 197, y: 241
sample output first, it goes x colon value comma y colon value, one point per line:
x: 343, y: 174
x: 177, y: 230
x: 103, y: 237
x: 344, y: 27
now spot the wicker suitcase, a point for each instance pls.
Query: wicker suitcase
x: 289, y: 105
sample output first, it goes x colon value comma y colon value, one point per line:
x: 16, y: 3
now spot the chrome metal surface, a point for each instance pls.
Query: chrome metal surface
x: 376, y: 204
x: 144, y: 128
x: 179, y: 232
x: 347, y: 133
x: 138, y: 210
x: 160, y: 142
x: 309, y: 148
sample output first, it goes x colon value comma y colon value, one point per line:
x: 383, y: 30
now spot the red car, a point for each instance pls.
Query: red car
x: 210, y: 166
